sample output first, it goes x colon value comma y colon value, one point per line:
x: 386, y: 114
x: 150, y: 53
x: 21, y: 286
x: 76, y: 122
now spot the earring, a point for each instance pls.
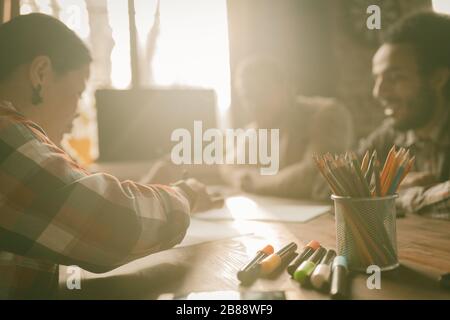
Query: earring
x: 36, y: 98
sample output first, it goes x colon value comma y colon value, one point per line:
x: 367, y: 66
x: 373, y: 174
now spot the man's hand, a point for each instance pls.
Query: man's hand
x: 418, y: 179
x: 253, y: 182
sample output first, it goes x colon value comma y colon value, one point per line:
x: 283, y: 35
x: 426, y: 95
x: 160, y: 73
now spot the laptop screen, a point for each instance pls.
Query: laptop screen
x: 136, y: 125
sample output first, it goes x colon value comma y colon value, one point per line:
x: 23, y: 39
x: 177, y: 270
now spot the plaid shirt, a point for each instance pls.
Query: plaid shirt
x: 54, y: 212
x: 432, y: 156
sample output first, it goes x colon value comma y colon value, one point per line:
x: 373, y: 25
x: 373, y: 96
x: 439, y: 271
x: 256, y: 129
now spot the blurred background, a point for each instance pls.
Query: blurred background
x: 325, y: 45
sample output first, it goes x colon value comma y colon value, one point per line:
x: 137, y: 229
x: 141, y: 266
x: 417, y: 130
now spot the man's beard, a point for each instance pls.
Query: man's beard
x: 421, y: 110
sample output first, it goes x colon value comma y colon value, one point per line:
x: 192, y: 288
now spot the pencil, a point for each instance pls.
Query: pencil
x: 365, y: 161
x: 393, y: 171
x: 377, y: 178
x: 389, y: 158
x: 408, y: 168
x: 390, y: 172
x: 346, y: 184
x: 357, y: 168
x: 368, y: 173
x: 396, y: 181
x: 322, y: 169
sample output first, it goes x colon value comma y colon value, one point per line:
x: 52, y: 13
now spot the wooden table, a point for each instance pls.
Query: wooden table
x: 424, y: 252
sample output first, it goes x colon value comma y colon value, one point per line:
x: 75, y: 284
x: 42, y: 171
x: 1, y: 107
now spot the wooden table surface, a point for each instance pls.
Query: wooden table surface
x: 423, y: 244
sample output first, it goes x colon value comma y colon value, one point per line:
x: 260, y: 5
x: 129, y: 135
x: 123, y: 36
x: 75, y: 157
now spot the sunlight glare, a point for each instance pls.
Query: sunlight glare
x: 441, y: 6
x: 120, y: 56
x: 75, y: 15
x: 193, y: 48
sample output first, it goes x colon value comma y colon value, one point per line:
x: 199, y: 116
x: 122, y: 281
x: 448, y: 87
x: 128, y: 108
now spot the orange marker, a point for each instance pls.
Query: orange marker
x: 251, y: 270
x: 272, y: 262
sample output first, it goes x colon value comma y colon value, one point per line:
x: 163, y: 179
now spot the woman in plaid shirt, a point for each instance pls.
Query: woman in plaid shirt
x: 51, y: 210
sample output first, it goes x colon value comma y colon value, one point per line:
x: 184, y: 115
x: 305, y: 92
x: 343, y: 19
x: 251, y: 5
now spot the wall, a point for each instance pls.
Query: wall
x: 295, y: 32
x: 318, y: 42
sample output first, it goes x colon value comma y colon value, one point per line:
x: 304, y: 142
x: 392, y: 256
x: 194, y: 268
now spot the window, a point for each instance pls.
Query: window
x: 181, y: 43
x: 189, y: 41
x: 441, y: 6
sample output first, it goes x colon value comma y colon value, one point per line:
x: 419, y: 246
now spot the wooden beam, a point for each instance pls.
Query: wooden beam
x: 134, y: 55
x: 15, y: 8
x: 9, y: 9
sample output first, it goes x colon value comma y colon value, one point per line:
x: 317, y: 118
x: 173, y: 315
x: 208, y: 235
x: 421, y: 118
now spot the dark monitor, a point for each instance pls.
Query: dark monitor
x: 136, y: 125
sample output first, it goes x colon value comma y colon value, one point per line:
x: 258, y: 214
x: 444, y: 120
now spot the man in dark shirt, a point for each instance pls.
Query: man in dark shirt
x: 411, y: 73
x: 307, y: 126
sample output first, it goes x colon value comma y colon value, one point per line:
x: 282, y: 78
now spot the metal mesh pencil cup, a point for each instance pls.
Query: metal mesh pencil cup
x: 366, y: 231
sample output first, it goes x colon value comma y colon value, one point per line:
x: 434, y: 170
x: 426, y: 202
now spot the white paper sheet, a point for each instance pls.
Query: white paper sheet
x: 201, y: 231
x: 250, y: 207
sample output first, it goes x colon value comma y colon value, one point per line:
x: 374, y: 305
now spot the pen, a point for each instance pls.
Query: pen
x: 339, y: 278
x: 320, y: 278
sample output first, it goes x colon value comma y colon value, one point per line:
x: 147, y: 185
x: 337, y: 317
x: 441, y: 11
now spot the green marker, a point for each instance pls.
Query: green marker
x: 307, y: 267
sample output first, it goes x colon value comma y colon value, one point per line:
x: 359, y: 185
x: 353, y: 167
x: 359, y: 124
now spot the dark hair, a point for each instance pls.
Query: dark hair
x: 429, y: 34
x: 25, y: 37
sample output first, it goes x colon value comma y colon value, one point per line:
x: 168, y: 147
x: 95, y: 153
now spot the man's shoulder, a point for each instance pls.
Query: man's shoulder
x: 316, y: 102
x: 385, y: 129
x: 381, y: 139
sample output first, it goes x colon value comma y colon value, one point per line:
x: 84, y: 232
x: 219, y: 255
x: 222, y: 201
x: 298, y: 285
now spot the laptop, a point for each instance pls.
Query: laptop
x: 136, y: 125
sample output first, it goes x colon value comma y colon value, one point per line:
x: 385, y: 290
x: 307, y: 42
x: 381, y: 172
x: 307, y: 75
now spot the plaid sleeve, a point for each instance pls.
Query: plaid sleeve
x: 52, y: 209
x: 433, y: 201
x: 381, y: 140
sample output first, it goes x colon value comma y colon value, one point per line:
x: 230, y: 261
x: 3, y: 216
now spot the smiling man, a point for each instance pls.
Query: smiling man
x: 411, y: 71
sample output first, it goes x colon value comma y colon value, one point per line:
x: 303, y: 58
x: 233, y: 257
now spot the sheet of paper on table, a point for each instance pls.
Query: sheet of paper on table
x: 251, y: 207
x: 201, y: 231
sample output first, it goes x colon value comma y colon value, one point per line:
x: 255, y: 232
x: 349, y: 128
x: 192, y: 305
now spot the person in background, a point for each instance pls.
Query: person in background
x: 412, y: 83
x: 52, y: 211
x: 307, y: 125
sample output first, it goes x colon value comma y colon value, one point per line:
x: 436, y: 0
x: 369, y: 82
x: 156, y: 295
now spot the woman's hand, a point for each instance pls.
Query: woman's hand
x: 162, y: 172
x: 254, y: 182
x: 201, y: 200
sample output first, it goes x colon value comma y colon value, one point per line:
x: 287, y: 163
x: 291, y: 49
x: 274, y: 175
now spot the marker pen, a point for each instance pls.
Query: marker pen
x: 251, y: 270
x: 272, y: 262
x: 321, y: 275
x: 308, y: 250
x: 339, y: 278
x: 307, y: 267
